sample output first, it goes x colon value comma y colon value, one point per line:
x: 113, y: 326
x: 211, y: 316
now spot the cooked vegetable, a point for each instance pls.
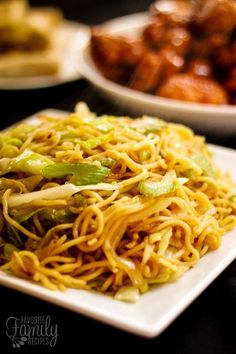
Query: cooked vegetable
x: 127, y: 294
x: 83, y: 173
x: 8, y: 249
x: 61, y: 192
x: 10, y: 140
x: 21, y: 216
x: 204, y: 164
x: 94, y: 142
x: 28, y: 162
x: 132, y: 134
x: 107, y: 162
x: 14, y: 236
x: 232, y: 199
x: 153, y: 126
x: 100, y: 124
x: 58, y: 216
x: 21, y: 130
x: 151, y: 188
x: 144, y: 155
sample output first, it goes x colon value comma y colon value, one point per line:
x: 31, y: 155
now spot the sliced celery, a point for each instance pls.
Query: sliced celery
x: 100, y: 124
x: 94, y: 142
x: 204, y: 164
x: 83, y: 173
x: 28, y: 162
x: 151, y: 188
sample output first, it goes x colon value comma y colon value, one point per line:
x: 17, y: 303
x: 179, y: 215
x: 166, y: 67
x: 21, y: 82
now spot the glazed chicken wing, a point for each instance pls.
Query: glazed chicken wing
x: 209, y: 46
x: 172, y: 63
x: 230, y: 84
x: 178, y: 38
x: 115, y: 56
x: 215, y: 16
x: 153, y: 67
x: 148, y: 73
x: 154, y: 33
x: 200, y: 67
x: 173, y: 12
x: 187, y: 52
x: 193, y: 89
x: 227, y: 56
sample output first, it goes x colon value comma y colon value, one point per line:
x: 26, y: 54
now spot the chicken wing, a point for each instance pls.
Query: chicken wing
x: 215, y: 16
x: 115, y: 56
x: 173, y: 12
x: 153, y: 67
x: 193, y: 89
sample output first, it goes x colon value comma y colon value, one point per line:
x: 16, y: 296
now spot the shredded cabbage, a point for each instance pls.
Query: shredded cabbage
x: 60, y: 192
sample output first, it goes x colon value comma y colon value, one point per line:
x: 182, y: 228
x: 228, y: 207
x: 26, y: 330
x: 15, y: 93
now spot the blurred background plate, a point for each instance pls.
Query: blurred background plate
x: 74, y: 37
x: 204, y: 117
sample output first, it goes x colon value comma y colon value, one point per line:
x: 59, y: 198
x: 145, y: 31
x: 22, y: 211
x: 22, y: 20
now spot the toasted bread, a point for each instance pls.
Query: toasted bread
x: 29, y: 44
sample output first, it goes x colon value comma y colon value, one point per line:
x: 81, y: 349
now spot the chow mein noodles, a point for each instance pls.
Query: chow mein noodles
x: 108, y: 203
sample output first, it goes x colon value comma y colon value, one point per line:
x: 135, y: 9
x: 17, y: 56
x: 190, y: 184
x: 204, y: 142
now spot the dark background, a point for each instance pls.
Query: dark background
x: 207, y: 326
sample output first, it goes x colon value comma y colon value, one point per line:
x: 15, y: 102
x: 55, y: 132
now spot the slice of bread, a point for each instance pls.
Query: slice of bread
x: 32, y: 64
x: 29, y: 43
x: 12, y: 10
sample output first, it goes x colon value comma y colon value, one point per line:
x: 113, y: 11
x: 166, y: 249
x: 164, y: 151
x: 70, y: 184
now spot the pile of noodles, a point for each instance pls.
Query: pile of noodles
x: 155, y: 204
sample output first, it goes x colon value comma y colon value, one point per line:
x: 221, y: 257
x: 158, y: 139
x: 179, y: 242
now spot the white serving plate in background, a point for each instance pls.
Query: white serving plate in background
x: 208, y: 118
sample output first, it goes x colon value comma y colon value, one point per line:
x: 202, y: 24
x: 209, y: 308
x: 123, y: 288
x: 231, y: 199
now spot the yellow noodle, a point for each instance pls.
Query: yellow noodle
x: 107, y: 239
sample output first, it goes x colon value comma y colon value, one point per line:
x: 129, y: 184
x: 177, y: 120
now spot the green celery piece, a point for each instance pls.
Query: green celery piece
x: 58, y: 216
x: 190, y: 173
x: 204, y: 164
x: 79, y: 200
x: 14, y: 141
x: 69, y: 135
x: 29, y: 162
x: 99, y: 140
x: 155, y: 189
x: 100, y: 124
x: 83, y: 173
x: 10, y: 141
x: 132, y: 133
x: 8, y: 249
x: 14, y: 236
x: 108, y: 162
x: 21, y: 216
x: 144, y: 155
x: 150, y: 125
x: 31, y: 182
x: 93, y: 177
x: 2, y: 242
x: 21, y: 130
x: 5, y: 165
x: 154, y: 127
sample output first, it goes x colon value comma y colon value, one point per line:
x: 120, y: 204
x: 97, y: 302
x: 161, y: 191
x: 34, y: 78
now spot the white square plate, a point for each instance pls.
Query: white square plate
x: 161, y: 305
